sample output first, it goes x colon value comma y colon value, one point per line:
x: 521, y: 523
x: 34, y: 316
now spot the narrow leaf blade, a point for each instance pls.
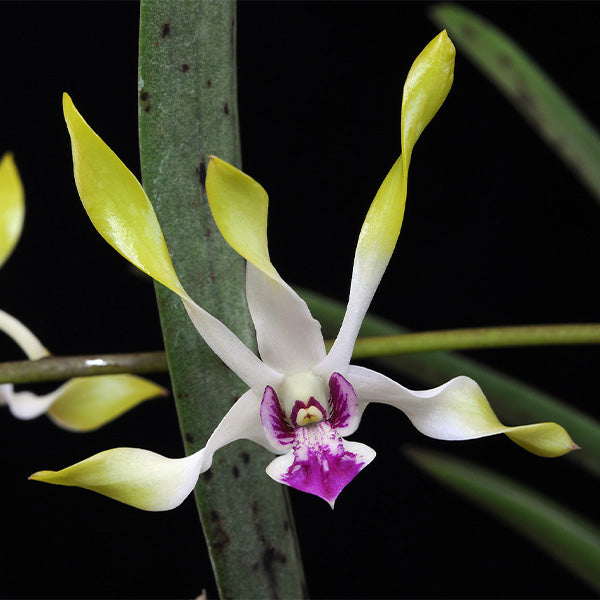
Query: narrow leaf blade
x: 567, y: 537
x: 547, y: 109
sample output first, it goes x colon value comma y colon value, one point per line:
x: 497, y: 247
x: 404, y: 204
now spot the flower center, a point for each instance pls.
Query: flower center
x: 312, y: 414
x: 303, y: 398
x: 305, y: 413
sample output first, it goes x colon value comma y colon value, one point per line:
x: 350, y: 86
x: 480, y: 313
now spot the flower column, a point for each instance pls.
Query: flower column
x: 188, y: 110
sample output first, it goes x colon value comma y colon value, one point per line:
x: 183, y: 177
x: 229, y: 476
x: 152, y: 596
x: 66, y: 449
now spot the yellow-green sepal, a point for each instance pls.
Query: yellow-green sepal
x: 427, y: 85
x: 86, y: 403
x: 544, y: 439
x: 137, y: 477
x: 116, y: 202
x: 240, y: 206
x: 12, y: 206
x: 381, y: 227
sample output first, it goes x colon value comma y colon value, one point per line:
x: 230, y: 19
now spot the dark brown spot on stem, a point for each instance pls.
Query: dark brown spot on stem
x: 185, y: 68
x: 201, y: 172
x: 166, y: 29
x: 270, y: 556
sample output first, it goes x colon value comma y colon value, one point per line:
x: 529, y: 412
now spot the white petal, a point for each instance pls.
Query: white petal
x: 21, y: 335
x: 241, y: 422
x: 456, y: 410
x: 27, y: 405
x: 230, y: 349
x: 289, y: 338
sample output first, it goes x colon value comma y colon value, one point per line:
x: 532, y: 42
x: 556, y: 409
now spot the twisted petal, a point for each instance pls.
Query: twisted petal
x: 26, y: 405
x: 427, y: 85
x: 86, y: 403
x: 321, y: 462
x: 457, y: 410
x: 376, y: 243
x: 22, y: 336
x: 140, y: 478
x: 116, y: 202
x: 12, y: 206
x: 149, y: 481
x: 122, y: 213
x: 288, y: 337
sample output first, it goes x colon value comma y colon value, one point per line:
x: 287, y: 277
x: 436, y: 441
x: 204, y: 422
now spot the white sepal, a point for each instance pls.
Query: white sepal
x: 242, y: 422
x: 289, y: 338
x: 230, y: 349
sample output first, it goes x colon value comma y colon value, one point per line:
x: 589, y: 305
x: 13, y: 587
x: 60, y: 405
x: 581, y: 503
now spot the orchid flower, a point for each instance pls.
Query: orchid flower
x: 83, y: 403
x: 302, y: 402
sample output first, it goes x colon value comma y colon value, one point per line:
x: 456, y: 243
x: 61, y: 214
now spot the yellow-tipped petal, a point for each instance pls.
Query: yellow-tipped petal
x: 456, y: 410
x: 87, y: 403
x: 239, y: 206
x: 381, y: 228
x: 116, y: 202
x: 140, y: 478
x: 12, y: 206
x: 544, y: 439
x: 427, y: 85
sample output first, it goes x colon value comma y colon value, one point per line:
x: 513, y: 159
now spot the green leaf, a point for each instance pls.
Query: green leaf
x: 569, y: 538
x: 525, y: 84
x: 188, y: 111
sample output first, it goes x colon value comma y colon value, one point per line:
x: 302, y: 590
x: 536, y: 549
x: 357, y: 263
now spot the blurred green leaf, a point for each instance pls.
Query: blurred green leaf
x: 570, y: 539
x: 525, y: 84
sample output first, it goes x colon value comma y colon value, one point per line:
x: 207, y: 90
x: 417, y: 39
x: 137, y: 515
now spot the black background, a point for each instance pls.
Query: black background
x: 497, y: 231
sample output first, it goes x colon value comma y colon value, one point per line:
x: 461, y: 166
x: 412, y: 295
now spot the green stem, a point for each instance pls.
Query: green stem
x: 188, y: 111
x: 471, y: 339
x: 57, y: 368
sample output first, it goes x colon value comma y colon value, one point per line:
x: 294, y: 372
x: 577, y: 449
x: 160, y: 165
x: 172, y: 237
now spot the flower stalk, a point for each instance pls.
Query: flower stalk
x: 55, y: 368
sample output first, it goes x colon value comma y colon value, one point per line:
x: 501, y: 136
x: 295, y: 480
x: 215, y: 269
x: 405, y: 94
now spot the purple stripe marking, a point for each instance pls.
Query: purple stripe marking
x: 345, y: 414
x: 277, y: 429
